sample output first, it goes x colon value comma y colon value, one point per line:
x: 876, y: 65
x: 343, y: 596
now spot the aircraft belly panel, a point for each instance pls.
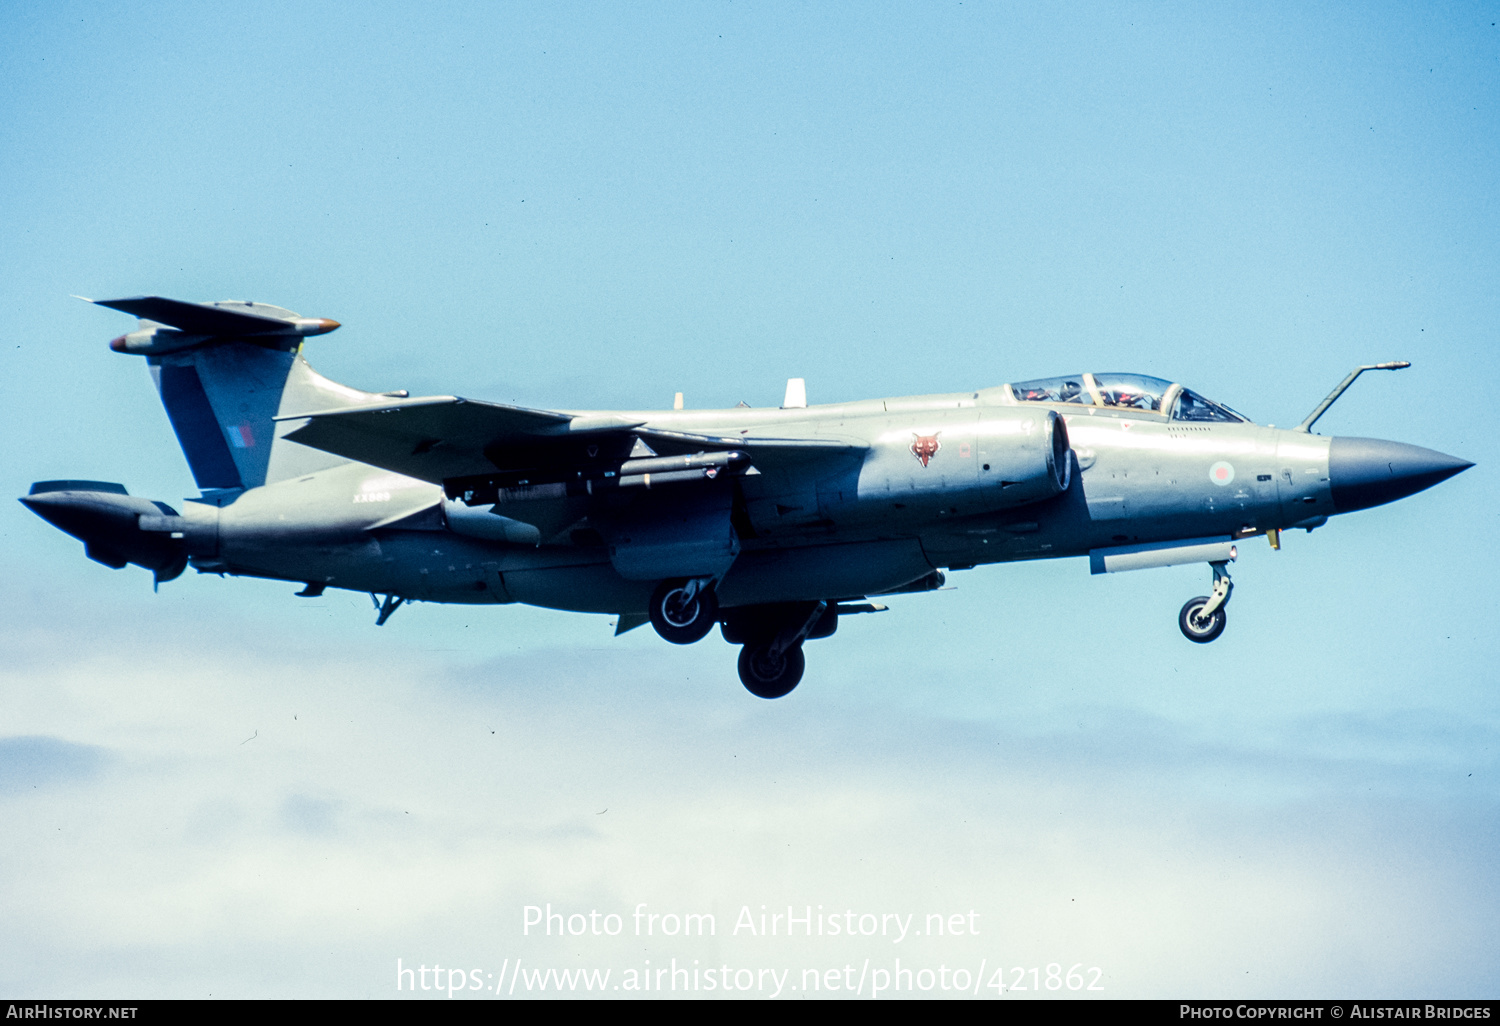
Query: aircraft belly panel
x: 580, y: 588
x: 429, y: 565
x: 674, y: 534
x: 822, y: 572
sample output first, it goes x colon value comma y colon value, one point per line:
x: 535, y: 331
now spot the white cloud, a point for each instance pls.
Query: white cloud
x: 276, y: 820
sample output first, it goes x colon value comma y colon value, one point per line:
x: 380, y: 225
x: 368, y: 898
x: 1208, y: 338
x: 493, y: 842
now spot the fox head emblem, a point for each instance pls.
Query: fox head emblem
x: 925, y: 447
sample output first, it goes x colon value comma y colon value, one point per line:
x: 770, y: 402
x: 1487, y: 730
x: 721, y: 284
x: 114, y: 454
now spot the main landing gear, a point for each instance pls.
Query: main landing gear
x: 1203, y: 618
x: 771, y: 672
x: 770, y: 667
x: 684, y: 611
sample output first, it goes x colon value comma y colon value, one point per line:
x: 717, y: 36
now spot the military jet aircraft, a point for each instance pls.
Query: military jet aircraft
x: 770, y: 523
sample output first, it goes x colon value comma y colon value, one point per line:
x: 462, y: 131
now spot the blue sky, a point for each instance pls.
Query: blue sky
x: 601, y: 205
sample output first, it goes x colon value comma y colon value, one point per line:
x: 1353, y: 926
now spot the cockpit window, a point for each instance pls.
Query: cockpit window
x: 1135, y: 392
x: 1053, y: 390
x: 1192, y: 406
x: 1131, y: 391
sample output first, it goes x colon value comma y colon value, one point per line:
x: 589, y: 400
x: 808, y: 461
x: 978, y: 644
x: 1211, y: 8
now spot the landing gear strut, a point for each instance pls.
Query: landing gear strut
x: 391, y: 604
x: 1203, y: 618
x: 772, y: 668
x: 684, y: 611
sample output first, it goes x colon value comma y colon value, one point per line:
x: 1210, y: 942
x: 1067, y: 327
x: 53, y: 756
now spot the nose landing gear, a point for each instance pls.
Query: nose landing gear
x: 1203, y: 618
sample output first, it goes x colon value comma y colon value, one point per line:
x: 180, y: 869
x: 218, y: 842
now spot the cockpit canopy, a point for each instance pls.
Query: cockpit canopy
x: 1126, y: 392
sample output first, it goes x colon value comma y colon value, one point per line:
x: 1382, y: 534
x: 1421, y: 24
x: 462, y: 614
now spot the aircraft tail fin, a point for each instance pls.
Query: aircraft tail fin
x: 225, y: 371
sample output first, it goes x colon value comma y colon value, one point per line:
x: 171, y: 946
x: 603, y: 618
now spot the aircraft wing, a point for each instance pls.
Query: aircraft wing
x: 197, y: 318
x: 438, y: 437
x: 442, y: 437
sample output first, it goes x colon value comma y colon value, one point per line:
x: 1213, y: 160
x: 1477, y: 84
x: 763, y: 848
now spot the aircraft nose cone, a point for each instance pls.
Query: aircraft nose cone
x: 1365, y: 472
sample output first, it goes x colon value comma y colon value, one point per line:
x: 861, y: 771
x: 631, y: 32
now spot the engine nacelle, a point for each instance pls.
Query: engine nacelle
x: 1031, y: 457
x: 117, y: 528
x: 968, y: 460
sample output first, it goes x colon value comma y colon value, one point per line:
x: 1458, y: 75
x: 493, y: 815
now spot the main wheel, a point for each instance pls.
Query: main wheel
x: 767, y: 677
x: 682, y: 618
x: 1199, y: 629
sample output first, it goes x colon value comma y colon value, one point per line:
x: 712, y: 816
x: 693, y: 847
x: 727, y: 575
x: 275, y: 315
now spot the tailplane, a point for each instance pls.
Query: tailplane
x: 225, y: 372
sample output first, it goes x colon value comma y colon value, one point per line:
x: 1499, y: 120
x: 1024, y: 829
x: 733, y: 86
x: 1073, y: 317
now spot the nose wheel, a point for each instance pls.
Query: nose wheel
x: 1203, y: 618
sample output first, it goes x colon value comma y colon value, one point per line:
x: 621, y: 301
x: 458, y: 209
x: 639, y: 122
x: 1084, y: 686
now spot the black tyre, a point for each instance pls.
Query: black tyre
x: 767, y: 677
x: 679, y: 618
x: 1196, y: 628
